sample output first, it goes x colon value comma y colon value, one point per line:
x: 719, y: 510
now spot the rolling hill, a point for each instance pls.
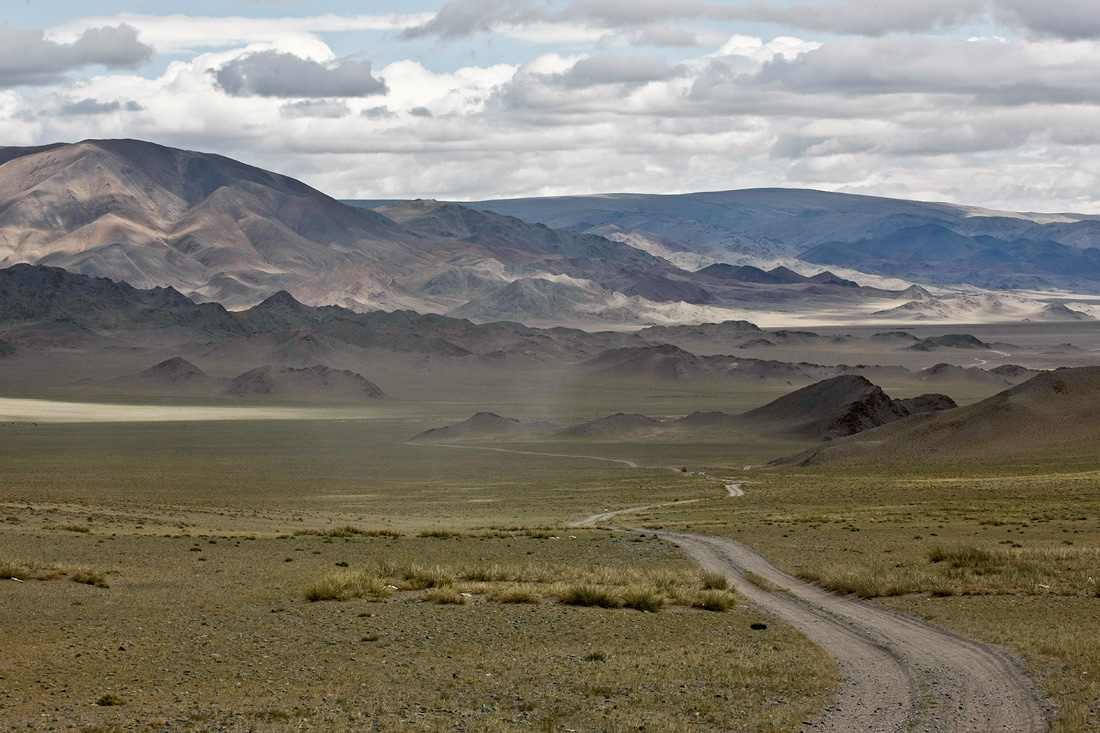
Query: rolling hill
x: 1052, y: 416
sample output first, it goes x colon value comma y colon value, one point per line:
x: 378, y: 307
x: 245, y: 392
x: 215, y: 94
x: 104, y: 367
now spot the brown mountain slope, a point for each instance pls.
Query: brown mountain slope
x: 204, y: 224
x: 837, y: 407
x: 1055, y: 415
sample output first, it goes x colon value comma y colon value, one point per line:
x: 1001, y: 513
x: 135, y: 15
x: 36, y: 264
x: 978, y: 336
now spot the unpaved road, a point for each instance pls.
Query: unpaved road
x: 629, y: 464
x: 595, y: 519
x: 900, y: 674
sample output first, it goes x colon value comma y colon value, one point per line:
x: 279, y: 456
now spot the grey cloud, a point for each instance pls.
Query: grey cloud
x: 615, y: 13
x: 1069, y: 19
x: 989, y: 72
x: 330, y: 109
x: 420, y: 112
x: 92, y: 107
x: 27, y: 57
x: 615, y: 69
x: 277, y: 74
x: 464, y: 18
x: 867, y: 17
x: 663, y: 36
x: 377, y: 113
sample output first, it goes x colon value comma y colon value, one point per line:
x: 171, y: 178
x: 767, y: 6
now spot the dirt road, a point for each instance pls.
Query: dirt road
x: 900, y: 674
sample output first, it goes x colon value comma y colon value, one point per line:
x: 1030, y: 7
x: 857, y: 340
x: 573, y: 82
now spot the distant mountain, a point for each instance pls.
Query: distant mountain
x: 1051, y: 416
x: 204, y: 224
x: 318, y: 381
x: 924, y: 242
x: 839, y: 406
x: 218, y: 230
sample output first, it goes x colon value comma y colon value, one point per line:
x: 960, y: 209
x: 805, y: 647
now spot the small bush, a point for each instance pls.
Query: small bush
x: 714, y: 600
x: 517, y: 594
x: 442, y: 534
x: 344, y: 585
x: 420, y: 577
x: 445, y: 596
x: 715, y: 580
x: 76, y: 528
x: 109, y: 700
x: 595, y: 657
x: 87, y: 576
x: 591, y: 595
x: 643, y: 599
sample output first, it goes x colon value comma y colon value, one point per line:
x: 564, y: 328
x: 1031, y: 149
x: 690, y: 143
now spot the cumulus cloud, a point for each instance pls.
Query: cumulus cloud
x: 27, y: 57
x: 616, y: 69
x: 329, y: 109
x: 464, y: 18
x: 647, y: 21
x: 867, y: 17
x: 277, y: 74
x: 92, y: 107
x: 1069, y: 19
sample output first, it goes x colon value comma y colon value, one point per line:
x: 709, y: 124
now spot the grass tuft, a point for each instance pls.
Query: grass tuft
x: 591, y: 595
x: 714, y: 600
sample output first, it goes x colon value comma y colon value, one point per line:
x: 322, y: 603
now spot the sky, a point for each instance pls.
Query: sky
x: 992, y: 103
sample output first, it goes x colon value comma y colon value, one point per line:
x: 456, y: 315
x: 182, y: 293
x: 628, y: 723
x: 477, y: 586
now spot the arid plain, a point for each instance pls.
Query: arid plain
x: 183, y: 560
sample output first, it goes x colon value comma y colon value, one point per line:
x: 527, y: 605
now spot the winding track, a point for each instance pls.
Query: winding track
x: 900, y: 674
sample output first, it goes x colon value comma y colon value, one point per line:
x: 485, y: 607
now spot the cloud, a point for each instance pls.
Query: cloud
x: 92, y: 107
x: 27, y: 57
x: 464, y: 18
x: 646, y: 22
x: 1069, y: 19
x: 329, y: 109
x: 377, y: 113
x: 616, y: 69
x: 277, y: 74
x: 420, y: 112
x: 867, y: 17
x: 179, y: 33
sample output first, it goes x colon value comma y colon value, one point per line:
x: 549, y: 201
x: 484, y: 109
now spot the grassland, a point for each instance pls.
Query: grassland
x: 211, y: 535
x: 209, y: 538
x: 1008, y: 553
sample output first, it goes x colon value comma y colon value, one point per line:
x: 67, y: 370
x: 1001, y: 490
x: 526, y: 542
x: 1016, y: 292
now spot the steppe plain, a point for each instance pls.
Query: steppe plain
x: 198, y: 529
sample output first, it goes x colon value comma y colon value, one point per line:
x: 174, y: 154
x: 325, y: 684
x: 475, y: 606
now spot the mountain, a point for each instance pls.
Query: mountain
x: 1051, y: 416
x: 842, y: 405
x: 217, y: 230
x: 206, y: 225
x: 932, y: 243
x: 486, y: 426
x: 171, y: 375
x: 317, y: 382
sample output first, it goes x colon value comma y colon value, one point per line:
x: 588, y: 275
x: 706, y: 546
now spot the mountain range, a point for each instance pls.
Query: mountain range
x: 935, y: 243
x: 217, y: 230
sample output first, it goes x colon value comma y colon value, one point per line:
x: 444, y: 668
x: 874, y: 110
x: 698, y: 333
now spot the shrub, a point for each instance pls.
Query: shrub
x: 591, y: 595
x: 517, y: 594
x: 108, y: 700
x: 345, y: 584
x: 419, y: 577
x: 88, y: 576
x: 715, y: 580
x: 643, y: 599
x: 714, y: 600
x: 445, y: 595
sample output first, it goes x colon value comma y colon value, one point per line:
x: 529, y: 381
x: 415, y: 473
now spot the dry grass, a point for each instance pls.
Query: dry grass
x: 21, y: 570
x: 578, y: 585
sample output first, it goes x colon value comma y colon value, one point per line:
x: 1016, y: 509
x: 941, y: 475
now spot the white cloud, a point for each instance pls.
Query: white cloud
x: 1003, y: 122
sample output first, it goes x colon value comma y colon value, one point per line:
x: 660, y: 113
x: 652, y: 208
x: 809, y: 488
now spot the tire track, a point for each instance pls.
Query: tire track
x: 900, y: 673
